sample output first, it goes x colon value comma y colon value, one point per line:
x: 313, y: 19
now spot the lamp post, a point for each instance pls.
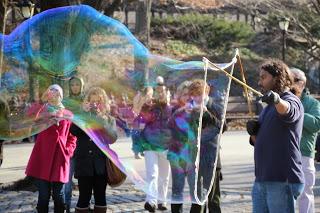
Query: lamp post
x: 26, y: 8
x: 284, y: 24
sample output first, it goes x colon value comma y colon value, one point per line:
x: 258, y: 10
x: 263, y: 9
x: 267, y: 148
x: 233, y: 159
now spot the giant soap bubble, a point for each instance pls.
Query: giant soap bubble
x: 78, y: 42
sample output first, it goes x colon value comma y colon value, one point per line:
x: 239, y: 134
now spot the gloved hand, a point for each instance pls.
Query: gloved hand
x: 253, y: 127
x: 271, y: 98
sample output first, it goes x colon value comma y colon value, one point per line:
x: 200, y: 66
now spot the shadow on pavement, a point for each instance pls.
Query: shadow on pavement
x: 238, y: 178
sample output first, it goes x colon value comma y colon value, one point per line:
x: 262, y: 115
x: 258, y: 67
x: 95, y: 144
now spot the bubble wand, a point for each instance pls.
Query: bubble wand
x: 215, y: 67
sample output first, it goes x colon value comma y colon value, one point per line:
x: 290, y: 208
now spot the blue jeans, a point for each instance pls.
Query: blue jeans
x: 68, y: 186
x: 44, y: 188
x: 273, y: 197
x: 178, y: 182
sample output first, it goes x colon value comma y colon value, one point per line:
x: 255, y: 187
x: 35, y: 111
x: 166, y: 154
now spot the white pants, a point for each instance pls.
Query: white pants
x: 306, y: 199
x: 158, y: 172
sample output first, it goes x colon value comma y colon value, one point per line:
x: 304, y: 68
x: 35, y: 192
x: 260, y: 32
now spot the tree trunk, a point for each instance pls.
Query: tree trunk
x: 3, y: 11
x: 143, y: 17
x: 3, y: 18
x: 33, y: 78
x: 142, y: 31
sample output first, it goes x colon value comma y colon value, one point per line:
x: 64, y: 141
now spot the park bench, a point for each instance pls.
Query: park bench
x: 238, y: 108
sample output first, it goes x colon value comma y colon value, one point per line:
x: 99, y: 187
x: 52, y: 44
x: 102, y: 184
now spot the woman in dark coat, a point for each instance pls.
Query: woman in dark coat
x: 72, y: 102
x: 90, y: 161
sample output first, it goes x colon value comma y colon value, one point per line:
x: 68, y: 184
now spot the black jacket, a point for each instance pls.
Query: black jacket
x: 89, y: 159
x: 209, y: 139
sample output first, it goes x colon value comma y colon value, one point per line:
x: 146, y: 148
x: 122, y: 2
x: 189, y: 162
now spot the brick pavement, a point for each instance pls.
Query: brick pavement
x: 122, y: 199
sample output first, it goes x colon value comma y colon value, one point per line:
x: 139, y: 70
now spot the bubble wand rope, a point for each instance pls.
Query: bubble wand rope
x: 249, y: 100
x: 215, y: 67
x: 197, y: 161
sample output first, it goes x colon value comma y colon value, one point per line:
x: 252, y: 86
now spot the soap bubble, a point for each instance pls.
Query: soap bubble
x: 78, y: 42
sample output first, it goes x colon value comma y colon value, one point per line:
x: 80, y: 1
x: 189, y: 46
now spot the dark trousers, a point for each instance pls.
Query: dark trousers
x: 45, y: 188
x: 213, y: 202
x: 98, y: 184
x: 178, y: 208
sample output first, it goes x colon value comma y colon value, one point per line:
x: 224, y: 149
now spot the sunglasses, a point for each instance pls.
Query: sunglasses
x: 53, y: 90
x: 297, y: 80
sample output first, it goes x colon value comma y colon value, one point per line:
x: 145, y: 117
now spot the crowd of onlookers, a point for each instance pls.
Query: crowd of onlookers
x: 153, y: 121
x: 165, y: 132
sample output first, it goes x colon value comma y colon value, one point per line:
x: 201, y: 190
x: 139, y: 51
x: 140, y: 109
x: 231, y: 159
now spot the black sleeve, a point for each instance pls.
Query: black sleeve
x: 251, y: 142
x: 217, y: 115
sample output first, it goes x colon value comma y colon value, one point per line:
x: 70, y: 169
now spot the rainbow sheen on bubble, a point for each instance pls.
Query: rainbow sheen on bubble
x: 58, y: 44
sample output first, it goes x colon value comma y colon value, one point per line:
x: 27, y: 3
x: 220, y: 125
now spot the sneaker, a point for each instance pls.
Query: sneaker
x: 149, y: 207
x: 162, y: 207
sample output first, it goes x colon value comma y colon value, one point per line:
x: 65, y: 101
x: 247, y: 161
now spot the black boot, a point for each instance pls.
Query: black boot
x: 176, y: 208
x: 100, y: 209
x: 58, y: 207
x: 150, y: 207
x: 42, y: 209
x: 162, y: 207
x: 67, y: 208
x: 196, y: 208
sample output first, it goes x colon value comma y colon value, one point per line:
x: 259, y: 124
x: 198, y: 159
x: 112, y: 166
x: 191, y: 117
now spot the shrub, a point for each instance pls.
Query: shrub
x: 204, y: 30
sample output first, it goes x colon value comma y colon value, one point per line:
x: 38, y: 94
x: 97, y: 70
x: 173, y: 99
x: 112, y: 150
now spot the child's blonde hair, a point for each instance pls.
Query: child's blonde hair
x: 105, y: 101
x: 197, y: 86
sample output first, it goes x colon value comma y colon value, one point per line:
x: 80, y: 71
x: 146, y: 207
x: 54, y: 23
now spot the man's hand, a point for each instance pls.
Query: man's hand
x: 271, y: 98
x: 253, y: 127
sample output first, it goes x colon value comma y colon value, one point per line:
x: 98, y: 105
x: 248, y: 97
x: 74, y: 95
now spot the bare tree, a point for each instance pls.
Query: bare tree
x: 45, y: 5
x: 3, y: 18
x: 304, y: 16
x: 3, y: 11
x: 143, y: 17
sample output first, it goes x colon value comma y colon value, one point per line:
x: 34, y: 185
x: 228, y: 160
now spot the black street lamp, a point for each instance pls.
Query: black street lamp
x: 26, y: 8
x: 284, y: 24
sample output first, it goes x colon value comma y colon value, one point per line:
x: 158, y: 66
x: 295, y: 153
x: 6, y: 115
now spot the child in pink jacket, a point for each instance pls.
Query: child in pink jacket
x: 50, y: 157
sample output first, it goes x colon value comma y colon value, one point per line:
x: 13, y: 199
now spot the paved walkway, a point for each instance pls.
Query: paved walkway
x: 238, y: 173
x: 121, y: 199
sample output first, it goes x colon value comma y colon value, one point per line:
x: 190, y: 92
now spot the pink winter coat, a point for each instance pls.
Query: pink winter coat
x: 50, y: 157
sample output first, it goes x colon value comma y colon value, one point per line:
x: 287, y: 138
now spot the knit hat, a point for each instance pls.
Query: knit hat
x: 58, y: 88
x: 76, y: 96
